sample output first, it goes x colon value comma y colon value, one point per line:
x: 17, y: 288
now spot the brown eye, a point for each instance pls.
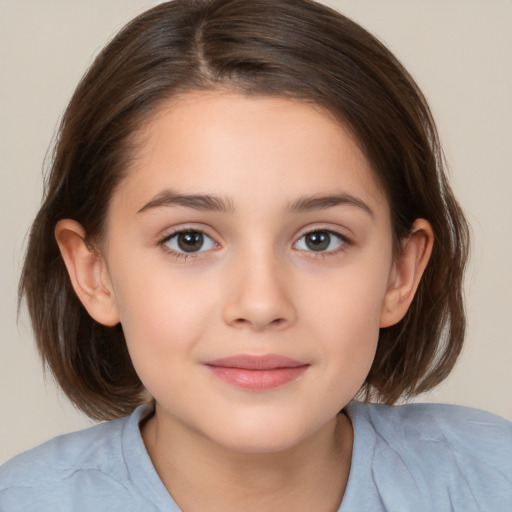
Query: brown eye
x: 320, y: 241
x: 189, y: 242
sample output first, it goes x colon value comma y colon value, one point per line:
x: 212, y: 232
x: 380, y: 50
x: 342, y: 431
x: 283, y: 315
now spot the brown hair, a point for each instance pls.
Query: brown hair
x: 288, y: 48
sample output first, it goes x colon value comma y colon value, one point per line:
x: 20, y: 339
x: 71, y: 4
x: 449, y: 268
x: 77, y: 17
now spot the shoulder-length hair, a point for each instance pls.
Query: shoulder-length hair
x: 287, y: 48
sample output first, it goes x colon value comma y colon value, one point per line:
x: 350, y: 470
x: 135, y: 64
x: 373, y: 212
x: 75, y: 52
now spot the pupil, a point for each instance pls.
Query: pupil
x: 318, y: 241
x: 190, y: 242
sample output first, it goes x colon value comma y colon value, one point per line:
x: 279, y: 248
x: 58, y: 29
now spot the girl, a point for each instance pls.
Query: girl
x: 247, y: 237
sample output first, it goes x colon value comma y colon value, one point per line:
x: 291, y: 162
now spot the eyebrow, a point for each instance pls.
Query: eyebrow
x: 206, y: 202
x: 203, y: 202
x: 321, y: 202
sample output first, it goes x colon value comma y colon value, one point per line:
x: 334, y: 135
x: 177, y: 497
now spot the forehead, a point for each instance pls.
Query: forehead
x: 247, y: 148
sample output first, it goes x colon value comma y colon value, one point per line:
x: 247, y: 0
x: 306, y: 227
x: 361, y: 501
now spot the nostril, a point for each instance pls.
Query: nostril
x: 258, y: 309
x: 259, y: 324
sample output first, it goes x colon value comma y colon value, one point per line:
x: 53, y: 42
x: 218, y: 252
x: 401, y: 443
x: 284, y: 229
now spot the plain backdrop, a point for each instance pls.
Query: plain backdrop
x: 459, y: 51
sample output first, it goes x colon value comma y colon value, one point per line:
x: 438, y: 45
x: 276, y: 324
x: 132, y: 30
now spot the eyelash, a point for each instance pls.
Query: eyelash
x: 344, y: 243
x: 183, y: 255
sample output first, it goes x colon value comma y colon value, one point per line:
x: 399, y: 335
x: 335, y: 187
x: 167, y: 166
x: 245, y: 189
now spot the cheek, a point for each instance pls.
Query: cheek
x: 350, y: 347
x: 346, y: 310
x: 163, y: 316
x: 348, y: 301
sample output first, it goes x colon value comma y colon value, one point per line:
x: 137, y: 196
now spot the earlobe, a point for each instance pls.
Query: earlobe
x: 407, y: 272
x: 87, y: 271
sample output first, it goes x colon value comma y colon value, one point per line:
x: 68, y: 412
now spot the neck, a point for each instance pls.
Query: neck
x: 201, y: 475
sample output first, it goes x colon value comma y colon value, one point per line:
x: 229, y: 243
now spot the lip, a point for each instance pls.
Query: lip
x: 258, y: 373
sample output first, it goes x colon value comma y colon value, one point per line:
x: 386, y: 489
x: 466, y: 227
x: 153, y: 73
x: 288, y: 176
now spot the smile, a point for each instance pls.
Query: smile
x: 258, y: 373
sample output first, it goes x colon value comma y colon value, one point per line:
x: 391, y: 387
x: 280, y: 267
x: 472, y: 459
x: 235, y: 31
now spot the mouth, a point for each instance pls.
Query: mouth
x: 258, y: 373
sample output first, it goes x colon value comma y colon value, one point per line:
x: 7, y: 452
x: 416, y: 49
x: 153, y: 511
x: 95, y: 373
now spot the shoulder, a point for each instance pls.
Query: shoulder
x: 67, y: 467
x: 427, y: 420
x: 443, y: 452
x: 64, y: 454
x: 461, y: 431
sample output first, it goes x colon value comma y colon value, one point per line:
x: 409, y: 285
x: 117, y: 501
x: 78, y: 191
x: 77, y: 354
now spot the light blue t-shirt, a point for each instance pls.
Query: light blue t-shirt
x: 414, y: 458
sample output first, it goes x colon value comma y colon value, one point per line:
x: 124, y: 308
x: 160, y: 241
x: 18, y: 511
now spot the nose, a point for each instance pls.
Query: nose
x: 259, y: 295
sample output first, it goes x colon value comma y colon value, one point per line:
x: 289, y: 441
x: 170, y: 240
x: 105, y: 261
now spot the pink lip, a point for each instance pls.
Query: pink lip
x: 257, y: 372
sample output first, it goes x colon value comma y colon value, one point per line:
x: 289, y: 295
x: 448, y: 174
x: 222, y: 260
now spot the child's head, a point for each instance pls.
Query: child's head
x: 184, y: 53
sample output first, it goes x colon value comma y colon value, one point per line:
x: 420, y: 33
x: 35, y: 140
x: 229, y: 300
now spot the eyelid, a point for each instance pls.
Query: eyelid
x: 198, y: 227
x: 163, y: 241
x: 344, y: 241
x: 337, y: 231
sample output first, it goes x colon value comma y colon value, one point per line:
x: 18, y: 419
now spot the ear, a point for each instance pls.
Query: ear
x: 407, y: 270
x: 88, y: 272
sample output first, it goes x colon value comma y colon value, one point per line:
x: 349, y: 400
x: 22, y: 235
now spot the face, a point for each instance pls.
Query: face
x: 249, y: 252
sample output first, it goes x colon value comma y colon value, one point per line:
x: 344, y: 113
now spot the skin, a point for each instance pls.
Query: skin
x: 255, y: 287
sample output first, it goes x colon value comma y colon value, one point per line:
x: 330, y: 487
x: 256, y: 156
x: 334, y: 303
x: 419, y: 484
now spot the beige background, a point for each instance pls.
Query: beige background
x: 460, y: 52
